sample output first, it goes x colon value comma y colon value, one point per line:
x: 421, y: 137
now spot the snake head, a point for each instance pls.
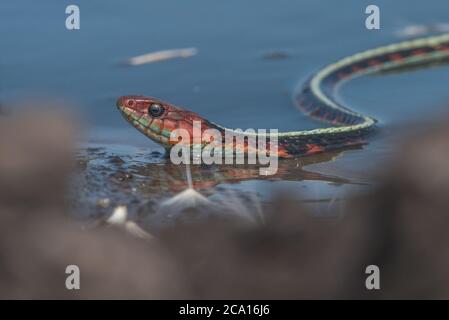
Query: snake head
x: 157, y: 119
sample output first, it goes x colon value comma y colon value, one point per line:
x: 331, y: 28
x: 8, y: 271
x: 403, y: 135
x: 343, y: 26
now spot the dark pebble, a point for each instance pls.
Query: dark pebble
x: 116, y: 160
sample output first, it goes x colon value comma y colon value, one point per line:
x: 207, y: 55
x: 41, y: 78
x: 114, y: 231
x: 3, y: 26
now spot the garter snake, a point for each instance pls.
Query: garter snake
x: 157, y: 119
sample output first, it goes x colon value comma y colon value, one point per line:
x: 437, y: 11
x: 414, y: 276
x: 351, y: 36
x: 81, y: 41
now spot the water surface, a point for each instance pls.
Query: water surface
x: 230, y: 81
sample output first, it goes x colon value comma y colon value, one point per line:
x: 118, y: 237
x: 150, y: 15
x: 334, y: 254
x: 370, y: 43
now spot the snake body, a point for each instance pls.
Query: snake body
x: 157, y: 119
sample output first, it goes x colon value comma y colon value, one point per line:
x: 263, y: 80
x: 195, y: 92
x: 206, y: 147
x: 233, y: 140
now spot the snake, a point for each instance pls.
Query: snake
x: 317, y: 98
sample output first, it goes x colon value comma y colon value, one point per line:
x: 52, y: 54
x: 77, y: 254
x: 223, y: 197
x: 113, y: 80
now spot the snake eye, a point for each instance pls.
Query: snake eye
x: 156, y: 110
x: 130, y: 103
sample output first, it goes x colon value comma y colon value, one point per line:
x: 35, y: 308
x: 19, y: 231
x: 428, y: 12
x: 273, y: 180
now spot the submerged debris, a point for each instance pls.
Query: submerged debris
x: 103, y: 202
x: 275, y: 55
x: 422, y: 30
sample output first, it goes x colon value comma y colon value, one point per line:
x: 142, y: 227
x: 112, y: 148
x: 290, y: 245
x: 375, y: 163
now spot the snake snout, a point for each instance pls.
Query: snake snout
x: 120, y: 103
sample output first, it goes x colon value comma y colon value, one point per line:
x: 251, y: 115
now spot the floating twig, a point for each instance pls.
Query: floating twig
x: 161, y: 56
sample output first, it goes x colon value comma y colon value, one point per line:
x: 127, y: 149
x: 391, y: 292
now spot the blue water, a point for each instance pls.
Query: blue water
x: 229, y: 81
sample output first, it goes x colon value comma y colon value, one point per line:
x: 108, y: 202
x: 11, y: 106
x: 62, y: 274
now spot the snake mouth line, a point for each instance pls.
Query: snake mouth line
x: 150, y: 130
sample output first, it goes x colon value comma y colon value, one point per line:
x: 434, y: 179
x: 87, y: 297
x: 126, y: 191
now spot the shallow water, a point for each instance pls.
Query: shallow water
x: 231, y: 81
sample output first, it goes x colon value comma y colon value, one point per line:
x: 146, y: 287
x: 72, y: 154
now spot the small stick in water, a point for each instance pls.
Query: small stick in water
x: 161, y: 55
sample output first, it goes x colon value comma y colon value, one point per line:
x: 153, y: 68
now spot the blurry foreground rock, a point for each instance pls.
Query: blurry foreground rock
x: 407, y: 218
x: 401, y: 227
x: 37, y: 238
